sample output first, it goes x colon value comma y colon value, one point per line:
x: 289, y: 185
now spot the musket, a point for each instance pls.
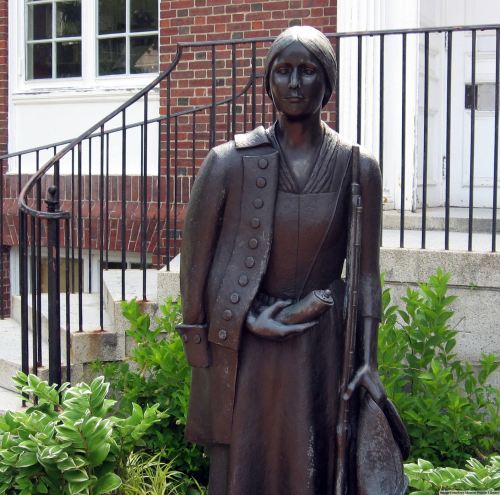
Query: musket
x: 350, y: 318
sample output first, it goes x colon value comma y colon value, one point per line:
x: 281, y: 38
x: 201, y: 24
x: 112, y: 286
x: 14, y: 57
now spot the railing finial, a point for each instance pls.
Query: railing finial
x: 52, y: 200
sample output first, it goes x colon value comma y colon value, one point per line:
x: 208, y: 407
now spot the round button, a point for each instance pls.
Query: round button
x: 261, y: 182
x: 227, y: 315
x: 250, y: 262
x: 258, y: 203
x: 234, y: 298
x: 255, y: 223
x: 263, y: 163
x: 185, y: 338
x: 197, y: 339
x: 253, y: 243
x: 243, y: 280
x: 222, y: 335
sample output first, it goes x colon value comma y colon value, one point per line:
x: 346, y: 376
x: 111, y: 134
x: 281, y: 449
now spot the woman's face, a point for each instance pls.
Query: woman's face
x: 297, y: 82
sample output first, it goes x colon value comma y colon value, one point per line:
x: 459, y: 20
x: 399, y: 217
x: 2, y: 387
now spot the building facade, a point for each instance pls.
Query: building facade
x: 66, y: 64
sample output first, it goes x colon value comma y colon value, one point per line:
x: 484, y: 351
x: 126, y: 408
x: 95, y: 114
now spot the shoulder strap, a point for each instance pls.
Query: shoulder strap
x: 355, y: 167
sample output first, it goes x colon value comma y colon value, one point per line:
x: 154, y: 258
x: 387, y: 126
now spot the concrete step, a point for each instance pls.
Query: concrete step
x: 10, y: 352
x: 9, y: 401
x: 86, y: 346
x: 435, y: 219
x: 435, y: 240
x: 133, y: 290
x: 90, y: 312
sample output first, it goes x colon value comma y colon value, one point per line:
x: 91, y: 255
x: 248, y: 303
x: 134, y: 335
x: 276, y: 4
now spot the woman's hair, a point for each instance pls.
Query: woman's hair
x: 316, y: 43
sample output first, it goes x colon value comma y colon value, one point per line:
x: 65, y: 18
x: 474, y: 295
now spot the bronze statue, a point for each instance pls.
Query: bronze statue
x: 264, y: 328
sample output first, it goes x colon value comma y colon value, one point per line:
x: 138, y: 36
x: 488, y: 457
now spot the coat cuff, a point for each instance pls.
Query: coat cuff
x: 194, y: 339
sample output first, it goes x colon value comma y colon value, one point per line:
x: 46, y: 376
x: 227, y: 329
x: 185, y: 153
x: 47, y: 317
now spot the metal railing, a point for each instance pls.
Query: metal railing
x: 77, y: 220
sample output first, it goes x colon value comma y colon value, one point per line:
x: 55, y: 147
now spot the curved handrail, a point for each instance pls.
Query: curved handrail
x: 94, y: 134
x: 22, y: 203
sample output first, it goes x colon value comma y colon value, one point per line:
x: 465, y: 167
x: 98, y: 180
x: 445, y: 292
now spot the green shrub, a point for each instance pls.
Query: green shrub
x: 428, y: 480
x: 147, y: 474
x: 157, y: 372
x: 450, y: 411
x: 67, y: 443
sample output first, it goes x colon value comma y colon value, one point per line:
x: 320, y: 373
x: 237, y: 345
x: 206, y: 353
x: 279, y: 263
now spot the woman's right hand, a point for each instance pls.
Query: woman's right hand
x: 264, y: 323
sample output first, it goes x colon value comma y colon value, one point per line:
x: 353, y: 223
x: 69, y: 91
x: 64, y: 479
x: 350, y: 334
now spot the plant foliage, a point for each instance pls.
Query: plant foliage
x: 148, y: 474
x: 157, y: 372
x: 67, y: 443
x: 451, y: 412
x: 428, y: 480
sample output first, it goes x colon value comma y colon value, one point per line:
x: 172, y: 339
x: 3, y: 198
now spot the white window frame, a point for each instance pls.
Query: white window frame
x: 127, y: 34
x: 90, y: 81
x: 53, y: 40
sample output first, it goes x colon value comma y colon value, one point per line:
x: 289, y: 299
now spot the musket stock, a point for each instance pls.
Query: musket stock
x: 350, y: 318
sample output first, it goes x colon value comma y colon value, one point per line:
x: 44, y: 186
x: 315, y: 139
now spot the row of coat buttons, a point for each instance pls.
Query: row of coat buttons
x: 253, y: 243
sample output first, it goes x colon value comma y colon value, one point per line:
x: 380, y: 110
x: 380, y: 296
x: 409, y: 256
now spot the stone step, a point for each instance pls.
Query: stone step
x: 10, y: 352
x: 83, y: 343
x: 90, y: 312
x: 435, y: 240
x: 86, y: 347
x: 435, y: 220
x: 9, y: 401
x: 133, y: 290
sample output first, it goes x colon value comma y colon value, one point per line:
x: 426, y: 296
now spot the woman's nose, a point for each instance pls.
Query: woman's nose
x: 294, y: 79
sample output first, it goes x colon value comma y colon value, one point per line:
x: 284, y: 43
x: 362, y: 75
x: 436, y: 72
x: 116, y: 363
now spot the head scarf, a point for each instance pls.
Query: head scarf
x: 316, y: 43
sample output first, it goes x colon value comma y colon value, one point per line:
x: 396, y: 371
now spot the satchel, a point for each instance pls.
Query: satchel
x: 382, y: 444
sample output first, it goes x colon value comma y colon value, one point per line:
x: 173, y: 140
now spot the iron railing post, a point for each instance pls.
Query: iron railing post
x: 54, y: 309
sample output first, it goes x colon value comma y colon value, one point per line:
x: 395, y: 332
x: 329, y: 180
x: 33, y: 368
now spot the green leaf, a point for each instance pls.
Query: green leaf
x: 99, y: 453
x: 106, y: 484
x: 26, y: 459
x: 76, y: 476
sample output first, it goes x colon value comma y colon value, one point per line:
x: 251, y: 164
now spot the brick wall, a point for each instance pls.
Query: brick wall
x: 3, y: 75
x: 4, y: 105
x: 91, y: 213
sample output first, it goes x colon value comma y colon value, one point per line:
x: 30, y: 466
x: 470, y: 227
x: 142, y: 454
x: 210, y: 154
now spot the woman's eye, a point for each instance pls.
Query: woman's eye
x: 282, y: 70
x: 308, y: 71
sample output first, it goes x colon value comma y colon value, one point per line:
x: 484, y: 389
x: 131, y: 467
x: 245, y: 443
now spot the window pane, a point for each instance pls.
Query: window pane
x: 40, y: 22
x: 112, y: 56
x: 40, y: 61
x: 69, y: 59
x: 112, y: 16
x: 143, y: 15
x: 143, y: 54
x: 69, y: 19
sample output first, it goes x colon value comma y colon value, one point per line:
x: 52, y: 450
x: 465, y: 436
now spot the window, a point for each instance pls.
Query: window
x: 54, y: 39
x: 127, y: 36
x: 85, y: 39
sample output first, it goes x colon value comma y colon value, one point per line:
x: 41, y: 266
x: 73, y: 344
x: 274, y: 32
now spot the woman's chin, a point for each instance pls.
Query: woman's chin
x: 298, y: 115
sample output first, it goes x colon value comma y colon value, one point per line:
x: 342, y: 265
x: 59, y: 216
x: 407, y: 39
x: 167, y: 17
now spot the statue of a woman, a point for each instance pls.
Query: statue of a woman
x: 267, y: 225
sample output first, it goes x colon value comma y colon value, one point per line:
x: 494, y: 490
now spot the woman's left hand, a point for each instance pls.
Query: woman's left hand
x: 367, y: 377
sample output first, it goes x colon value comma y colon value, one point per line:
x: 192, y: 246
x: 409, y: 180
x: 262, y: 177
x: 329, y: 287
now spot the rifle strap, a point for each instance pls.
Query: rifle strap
x: 355, y: 164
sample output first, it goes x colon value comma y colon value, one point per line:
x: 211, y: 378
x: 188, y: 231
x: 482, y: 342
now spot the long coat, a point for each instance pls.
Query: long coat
x: 227, y: 240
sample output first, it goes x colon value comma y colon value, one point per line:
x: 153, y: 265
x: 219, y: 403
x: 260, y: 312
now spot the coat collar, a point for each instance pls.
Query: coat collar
x: 252, y: 139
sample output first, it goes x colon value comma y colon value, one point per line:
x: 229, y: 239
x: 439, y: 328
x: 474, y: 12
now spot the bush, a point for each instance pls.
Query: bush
x: 429, y: 480
x: 451, y: 412
x: 157, y: 372
x: 67, y: 443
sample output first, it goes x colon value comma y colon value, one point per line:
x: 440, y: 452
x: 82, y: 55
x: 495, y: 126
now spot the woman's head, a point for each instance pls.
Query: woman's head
x: 314, y: 42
